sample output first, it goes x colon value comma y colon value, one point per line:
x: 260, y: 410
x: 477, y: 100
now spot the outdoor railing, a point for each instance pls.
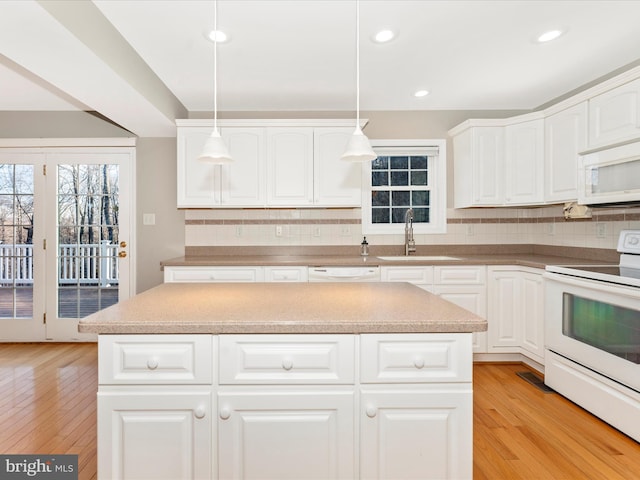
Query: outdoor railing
x: 88, y: 264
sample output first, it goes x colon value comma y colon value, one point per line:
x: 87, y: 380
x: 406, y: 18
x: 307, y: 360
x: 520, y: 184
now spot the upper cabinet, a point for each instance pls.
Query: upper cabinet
x: 498, y: 164
x: 275, y: 163
x: 614, y: 116
x: 565, y: 136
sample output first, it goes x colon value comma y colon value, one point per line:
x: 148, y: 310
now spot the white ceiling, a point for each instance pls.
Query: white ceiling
x: 299, y: 55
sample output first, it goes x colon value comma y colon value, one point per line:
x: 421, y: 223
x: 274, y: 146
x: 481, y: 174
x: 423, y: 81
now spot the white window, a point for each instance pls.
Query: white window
x: 406, y: 174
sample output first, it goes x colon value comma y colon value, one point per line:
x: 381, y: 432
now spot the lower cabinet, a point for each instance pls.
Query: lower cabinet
x: 386, y: 406
x: 154, y: 432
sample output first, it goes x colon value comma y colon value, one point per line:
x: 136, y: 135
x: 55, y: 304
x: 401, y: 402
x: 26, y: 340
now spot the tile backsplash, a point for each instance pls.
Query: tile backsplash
x: 321, y: 227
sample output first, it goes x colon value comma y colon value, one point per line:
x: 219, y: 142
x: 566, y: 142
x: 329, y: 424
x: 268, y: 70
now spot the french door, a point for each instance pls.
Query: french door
x: 65, y: 238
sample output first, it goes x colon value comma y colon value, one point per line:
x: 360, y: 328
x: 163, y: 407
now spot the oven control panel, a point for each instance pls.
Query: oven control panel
x: 629, y: 242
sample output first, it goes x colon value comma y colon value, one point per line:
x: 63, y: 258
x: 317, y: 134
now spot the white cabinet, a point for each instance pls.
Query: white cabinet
x: 280, y: 163
x: 155, y: 432
x: 416, y: 406
x: 479, y: 167
x: 204, y: 185
x: 466, y: 286
x: 286, y: 434
x: 565, y: 137
x: 614, y: 116
x: 515, y: 311
x: 420, y: 276
x: 213, y: 274
x: 524, y: 162
x: 290, y: 166
x: 286, y: 274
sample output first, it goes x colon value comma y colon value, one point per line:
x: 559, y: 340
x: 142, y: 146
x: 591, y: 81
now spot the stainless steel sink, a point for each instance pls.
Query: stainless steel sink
x: 418, y: 258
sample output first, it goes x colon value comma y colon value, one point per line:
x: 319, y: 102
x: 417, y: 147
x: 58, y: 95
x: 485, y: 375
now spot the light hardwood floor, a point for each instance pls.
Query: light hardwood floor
x: 48, y: 405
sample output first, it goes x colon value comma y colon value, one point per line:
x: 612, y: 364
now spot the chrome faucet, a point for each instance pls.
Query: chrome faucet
x: 409, y: 242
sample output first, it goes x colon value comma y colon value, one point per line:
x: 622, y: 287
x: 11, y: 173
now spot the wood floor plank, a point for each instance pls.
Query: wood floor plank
x: 48, y: 405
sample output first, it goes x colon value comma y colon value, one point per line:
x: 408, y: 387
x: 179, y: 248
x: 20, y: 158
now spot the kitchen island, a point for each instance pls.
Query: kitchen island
x: 286, y: 381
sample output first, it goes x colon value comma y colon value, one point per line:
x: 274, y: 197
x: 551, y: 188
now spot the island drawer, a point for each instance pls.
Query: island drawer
x: 407, y: 358
x: 287, y: 359
x: 155, y: 359
x: 213, y: 274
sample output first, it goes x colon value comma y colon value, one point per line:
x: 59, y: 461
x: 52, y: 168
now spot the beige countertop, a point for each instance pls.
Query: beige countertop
x: 243, y: 308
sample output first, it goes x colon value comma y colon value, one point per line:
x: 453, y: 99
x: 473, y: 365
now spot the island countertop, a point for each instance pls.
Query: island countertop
x: 246, y: 308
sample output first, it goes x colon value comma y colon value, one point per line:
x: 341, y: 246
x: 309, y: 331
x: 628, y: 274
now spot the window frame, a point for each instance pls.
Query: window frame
x: 437, y: 168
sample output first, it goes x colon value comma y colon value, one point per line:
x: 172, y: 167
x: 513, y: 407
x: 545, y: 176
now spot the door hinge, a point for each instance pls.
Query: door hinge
x: 44, y: 170
x: 44, y: 244
x: 44, y: 318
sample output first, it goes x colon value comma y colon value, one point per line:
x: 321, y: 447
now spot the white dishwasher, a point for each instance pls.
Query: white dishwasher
x: 344, y: 274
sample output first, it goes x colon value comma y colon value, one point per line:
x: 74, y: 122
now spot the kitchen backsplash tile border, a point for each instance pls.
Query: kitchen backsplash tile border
x: 342, y: 227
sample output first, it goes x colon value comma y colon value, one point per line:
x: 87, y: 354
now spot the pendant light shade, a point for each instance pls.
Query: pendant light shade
x: 358, y: 148
x: 215, y: 151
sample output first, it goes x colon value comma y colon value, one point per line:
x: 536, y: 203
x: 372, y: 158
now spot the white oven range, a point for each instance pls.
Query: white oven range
x: 592, y: 335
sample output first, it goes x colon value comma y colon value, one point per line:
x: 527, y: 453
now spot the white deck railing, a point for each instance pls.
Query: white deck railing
x: 89, y: 264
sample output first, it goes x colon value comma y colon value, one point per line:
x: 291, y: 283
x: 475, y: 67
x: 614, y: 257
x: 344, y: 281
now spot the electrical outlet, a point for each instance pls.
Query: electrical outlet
x: 345, y: 231
x: 550, y: 228
x: 316, y: 231
x: 278, y: 230
x: 238, y: 230
x: 601, y: 230
x: 469, y: 229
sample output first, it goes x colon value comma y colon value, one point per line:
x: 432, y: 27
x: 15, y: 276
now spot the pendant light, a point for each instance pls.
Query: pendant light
x: 358, y: 148
x: 215, y: 151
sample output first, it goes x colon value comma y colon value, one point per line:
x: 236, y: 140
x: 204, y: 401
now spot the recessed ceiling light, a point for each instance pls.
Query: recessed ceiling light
x: 384, y: 36
x: 421, y: 93
x: 550, y: 35
x: 217, y: 36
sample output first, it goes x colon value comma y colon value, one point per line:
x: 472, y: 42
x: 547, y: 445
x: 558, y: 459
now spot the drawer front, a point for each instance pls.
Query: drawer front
x: 433, y: 357
x: 287, y: 359
x: 407, y: 274
x: 286, y: 274
x: 464, y: 275
x: 155, y: 359
x: 213, y: 274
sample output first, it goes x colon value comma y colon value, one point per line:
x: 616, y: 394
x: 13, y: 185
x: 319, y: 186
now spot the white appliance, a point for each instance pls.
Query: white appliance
x: 610, y: 176
x: 592, y: 335
x: 344, y: 274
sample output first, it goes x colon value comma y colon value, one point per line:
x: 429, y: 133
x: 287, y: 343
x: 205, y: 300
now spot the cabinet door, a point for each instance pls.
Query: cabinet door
x: 290, y: 166
x: 524, y: 161
x: 532, y: 304
x: 243, y: 181
x: 416, y: 433
x: 272, y: 434
x: 614, y: 116
x: 213, y: 274
x: 565, y: 136
x: 198, y: 182
x: 504, y: 312
x: 474, y: 299
x: 487, y: 165
x: 335, y: 181
x: 155, y: 434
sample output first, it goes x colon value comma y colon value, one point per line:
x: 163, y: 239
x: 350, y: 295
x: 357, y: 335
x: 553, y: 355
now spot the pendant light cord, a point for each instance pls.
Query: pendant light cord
x: 357, y: 64
x: 215, y: 65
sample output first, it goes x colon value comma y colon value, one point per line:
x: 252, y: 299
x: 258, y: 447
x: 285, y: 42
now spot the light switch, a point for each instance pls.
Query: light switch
x: 148, y: 218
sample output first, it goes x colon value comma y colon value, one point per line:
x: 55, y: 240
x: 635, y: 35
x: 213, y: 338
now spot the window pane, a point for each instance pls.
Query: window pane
x: 401, y: 198
x: 397, y: 215
x: 399, y: 163
x: 399, y: 178
x: 380, y: 215
x: 421, y: 215
x: 380, y: 198
x: 420, y: 198
x: 419, y: 178
x: 380, y: 163
x: 379, y: 179
x: 418, y: 163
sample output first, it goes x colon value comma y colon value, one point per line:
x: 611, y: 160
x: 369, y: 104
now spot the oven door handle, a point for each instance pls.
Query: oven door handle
x: 601, y: 286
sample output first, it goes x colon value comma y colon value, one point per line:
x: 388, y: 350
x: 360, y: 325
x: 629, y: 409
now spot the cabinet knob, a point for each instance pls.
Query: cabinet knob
x: 287, y: 364
x: 418, y: 362
x: 200, y: 412
x: 371, y: 411
x: 152, y: 363
x: 225, y: 413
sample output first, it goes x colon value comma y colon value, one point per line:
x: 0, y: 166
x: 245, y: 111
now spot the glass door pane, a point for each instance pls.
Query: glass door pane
x: 88, y: 276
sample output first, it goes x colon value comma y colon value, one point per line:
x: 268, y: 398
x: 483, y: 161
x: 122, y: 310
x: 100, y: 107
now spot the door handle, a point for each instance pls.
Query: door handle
x: 122, y: 254
x: 123, y: 244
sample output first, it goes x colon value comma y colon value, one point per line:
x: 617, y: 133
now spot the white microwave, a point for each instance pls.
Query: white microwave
x: 610, y: 176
